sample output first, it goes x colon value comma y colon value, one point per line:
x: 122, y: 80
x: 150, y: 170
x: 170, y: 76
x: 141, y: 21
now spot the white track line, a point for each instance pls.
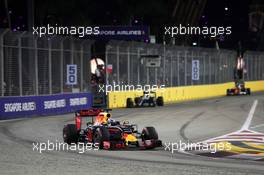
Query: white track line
x: 8, y: 120
x: 244, y: 127
x: 250, y: 116
x: 257, y: 126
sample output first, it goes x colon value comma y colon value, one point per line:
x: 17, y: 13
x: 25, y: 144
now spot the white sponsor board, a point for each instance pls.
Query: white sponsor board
x: 78, y: 101
x: 71, y: 74
x: 53, y: 104
x: 19, y: 107
x: 195, y: 69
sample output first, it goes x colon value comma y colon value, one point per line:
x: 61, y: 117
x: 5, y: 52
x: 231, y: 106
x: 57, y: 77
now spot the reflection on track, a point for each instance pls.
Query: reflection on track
x: 246, y: 144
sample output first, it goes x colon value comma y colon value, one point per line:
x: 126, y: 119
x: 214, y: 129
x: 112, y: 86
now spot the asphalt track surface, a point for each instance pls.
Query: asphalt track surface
x: 191, y: 121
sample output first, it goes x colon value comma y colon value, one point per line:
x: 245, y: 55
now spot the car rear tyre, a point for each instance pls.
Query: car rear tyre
x: 152, y: 102
x: 100, y: 135
x: 137, y: 101
x: 248, y: 91
x: 228, y: 92
x: 129, y: 103
x: 149, y: 133
x: 160, y: 101
x: 70, y: 134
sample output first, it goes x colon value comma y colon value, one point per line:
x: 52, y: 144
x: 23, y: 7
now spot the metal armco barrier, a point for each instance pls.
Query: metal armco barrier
x: 14, y: 107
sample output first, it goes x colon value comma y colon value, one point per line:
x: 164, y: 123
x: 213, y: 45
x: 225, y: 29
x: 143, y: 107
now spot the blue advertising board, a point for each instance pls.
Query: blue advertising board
x: 14, y: 107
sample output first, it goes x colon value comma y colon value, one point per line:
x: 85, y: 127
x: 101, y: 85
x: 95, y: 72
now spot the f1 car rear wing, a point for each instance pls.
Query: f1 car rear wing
x: 90, y: 112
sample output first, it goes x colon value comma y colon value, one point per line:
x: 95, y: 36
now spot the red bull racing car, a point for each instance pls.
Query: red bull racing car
x: 239, y: 71
x: 239, y: 89
x: 97, y: 127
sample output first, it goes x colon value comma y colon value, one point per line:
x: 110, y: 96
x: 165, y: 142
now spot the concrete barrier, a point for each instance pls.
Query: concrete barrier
x: 184, y: 93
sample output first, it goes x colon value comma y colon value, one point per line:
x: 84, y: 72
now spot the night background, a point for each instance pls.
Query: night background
x: 21, y: 15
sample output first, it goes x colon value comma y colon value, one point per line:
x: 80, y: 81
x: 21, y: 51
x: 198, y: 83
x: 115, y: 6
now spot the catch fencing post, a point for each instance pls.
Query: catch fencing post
x: 81, y: 66
x: 147, y: 75
x: 72, y: 56
x: 117, y: 63
x: 204, y: 68
x: 138, y: 65
x: 164, y: 62
x: 20, y: 64
x: 128, y: 65
x: 2, y: 62
x: 36, y: 65
x: 259, y: 68
x: 251, y: 67
x: 171, y: 75
x: 49, y: 66
x: 210, y: 69
x: 106, y: 63
x: 191, y: 63
x: 178, y: 69
x: 61, y: 65
x: 246, y: 62
x: 216, y: 68
x: 185, y: 68
x: 262, y: 65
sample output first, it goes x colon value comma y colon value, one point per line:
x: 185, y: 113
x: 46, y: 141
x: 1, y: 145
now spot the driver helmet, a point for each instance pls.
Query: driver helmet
x: 102, y: 118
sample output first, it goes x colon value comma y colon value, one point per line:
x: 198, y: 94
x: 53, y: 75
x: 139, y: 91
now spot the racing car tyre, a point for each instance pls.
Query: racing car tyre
x: 248, y: 91
x: 152, y: 102
x: 100, y: 134
x: 129, y: 103
x: 149, y: 133
x: 137, y: 101
x: 70, y: 134
x: 160, y: 101
x: 228, y: 92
